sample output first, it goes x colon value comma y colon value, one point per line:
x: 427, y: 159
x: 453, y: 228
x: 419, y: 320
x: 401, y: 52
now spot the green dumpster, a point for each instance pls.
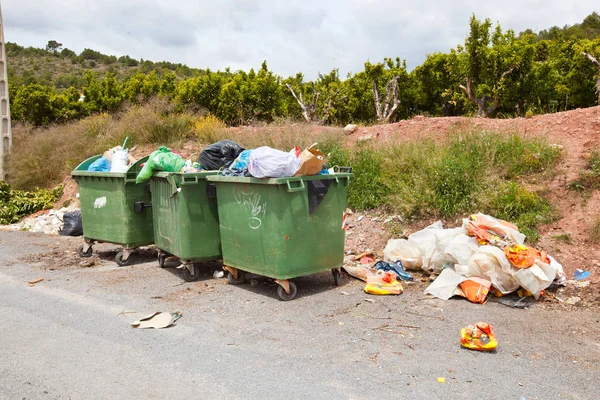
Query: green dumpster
x: 186, y: 219
x: 282, y: 228
x: 114, y: 209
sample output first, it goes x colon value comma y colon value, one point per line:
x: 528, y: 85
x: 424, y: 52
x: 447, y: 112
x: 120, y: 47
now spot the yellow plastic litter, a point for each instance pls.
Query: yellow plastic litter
x: 383, y: 283
x: 479, y: 336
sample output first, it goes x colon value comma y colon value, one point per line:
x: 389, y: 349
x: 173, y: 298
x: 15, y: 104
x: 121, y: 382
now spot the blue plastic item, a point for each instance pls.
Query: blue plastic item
x: 100, y: 165
x: 581, y: 274
x: 241, y: 162
x: 396, y: 267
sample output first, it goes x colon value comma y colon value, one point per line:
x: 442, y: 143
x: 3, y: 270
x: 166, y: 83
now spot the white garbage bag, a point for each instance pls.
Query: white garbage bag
x: 426, y: 240
x: 535, y: 278
x: 461, y: 248
x: 401, y: 249
x: 490, y: 262
x: 266, y: 162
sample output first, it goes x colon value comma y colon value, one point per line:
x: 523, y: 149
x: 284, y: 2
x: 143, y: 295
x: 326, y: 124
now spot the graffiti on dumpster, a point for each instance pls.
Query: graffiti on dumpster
x: 100, y: 202
x: 252, y: 202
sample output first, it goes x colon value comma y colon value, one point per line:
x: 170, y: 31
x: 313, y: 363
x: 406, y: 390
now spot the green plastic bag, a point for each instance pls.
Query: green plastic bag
x: 160, y: 160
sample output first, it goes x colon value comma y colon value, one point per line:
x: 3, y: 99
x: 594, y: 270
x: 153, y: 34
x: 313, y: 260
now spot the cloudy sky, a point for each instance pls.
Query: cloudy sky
x: 311, y: 36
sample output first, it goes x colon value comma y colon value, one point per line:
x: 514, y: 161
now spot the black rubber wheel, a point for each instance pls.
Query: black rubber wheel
x: 119, y: 260
x: 161, y: 260
x: 191, y: 276
x: 285, y: 296
x: 87, y: 254
x: 240, y: 279
x: 337, y: 277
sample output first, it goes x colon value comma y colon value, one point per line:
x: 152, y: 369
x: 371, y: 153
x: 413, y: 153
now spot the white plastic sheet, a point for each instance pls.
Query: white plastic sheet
x: 266, y: 162
x: 445, y: 284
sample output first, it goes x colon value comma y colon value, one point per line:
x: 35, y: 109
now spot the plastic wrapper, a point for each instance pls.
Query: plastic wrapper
x: 479, y: 336
x: 475, y: 290
x: 219, y: 155
x: 383, y: 283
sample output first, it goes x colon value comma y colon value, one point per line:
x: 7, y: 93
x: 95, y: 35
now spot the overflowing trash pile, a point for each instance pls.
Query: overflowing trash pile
x: 485, y: 255
x: 233, y: 160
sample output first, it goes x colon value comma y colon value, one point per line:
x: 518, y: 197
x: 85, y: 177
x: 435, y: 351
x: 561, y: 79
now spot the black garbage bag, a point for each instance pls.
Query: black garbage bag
x: 317, y: 190
x: 219, y: 155
x: 72, y: 225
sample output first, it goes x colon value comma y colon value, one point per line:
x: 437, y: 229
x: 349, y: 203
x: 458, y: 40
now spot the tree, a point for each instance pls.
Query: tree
x: 312, y: 110
x: 488, y: 64
x: 53, y: 46
x: 32, y: 104
x: 597, y: 64
x: 379, y: 74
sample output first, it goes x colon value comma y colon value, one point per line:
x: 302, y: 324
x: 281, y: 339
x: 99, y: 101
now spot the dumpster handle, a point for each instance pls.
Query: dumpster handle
x: 189, y: 180
x: 296, y: 188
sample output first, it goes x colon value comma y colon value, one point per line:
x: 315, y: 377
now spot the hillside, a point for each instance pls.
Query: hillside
x: 62, y: 68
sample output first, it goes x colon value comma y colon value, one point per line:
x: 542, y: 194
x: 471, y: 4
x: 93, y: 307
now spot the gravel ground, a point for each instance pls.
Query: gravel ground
x: 69, y: 336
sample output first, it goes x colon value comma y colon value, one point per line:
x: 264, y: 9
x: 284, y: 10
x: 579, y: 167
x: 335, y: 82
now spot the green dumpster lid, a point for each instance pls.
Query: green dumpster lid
x: 276, y: 181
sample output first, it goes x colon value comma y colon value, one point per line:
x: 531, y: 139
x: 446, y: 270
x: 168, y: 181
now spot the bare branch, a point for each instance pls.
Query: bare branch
x: 376, y: 99
x: 592, y: 59
x: 305, y: 111
x: 383, y: 110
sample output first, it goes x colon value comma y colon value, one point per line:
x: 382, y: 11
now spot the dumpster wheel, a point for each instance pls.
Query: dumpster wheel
x: 119, y: 259
x: 190, y: 276
x: 241, y: 277
x: 337, y: 276
x: 87, y: 253
x: 161, y: 260
x: 283, y: 295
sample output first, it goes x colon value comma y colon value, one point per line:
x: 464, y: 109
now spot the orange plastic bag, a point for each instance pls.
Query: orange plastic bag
x: 475, y: 290
x: 524, y: 257
x: 487, y: 229
x: 479, y: 336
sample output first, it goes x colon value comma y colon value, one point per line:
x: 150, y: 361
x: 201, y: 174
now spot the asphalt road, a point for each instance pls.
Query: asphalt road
x: 69, y: 337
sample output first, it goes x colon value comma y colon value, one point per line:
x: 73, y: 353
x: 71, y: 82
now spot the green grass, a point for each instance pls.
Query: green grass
x: 589, y: 178
x: 469, y: 172
x: 564, y: 238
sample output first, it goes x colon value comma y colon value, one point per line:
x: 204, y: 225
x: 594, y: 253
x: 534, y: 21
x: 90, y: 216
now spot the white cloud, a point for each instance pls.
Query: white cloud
x: 310, y: 36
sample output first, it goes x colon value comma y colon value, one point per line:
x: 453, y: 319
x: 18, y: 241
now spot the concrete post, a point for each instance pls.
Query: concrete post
x: 5, y: 127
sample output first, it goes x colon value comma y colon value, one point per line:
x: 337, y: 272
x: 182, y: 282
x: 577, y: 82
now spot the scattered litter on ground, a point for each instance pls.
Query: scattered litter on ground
x: 126, y: 312
x: 479, y: 336
x: 218, y: 274
x: 581, y: 274
x: 520, y: 303
x: 396, y: 267
x: 35, y: 281
x: 484, y: 252
x: 157, y: 320
x: 441, y: 380
x: 366, y: 260
x: 573, y: 300
x: 47, y: 221
x: 362, y: 255
x: 579, y: 284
